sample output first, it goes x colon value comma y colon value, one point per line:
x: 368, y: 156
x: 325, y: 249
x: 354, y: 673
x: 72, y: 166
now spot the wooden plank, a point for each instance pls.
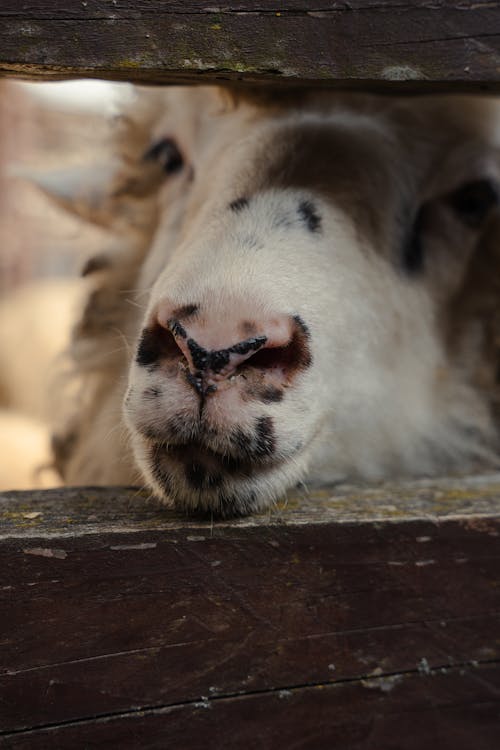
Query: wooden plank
x: 449, y: 709
x: 386, y: 44
x: 334, y: 619
x: 90, y: 510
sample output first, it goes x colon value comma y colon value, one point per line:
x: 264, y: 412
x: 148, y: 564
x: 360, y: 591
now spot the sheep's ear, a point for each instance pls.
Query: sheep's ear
x: 84, y: 191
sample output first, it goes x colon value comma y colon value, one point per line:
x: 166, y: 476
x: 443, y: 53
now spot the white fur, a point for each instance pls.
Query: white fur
x: 384, y: 394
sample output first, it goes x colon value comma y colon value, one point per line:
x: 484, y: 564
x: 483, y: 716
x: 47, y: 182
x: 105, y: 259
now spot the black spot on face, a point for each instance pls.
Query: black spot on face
x: 195, y: 474
x: 270, y: 394
x: 265, y: 441
x: 253, y: 344
x: 195, y: 381
x: 233, y: 506
x: 225, y: 506
x: 213, y: 480
x: 166, y: 153
x: 302, y: 326
x: 239, y: 204
x: 199, y: 477
x: 217, y: 360
x: 199, y: 355
x: 176, y: 328
x: 240, y: 441
x: 186, y: 311
x: 266, y: 394
x: 250, y: 446
x: 248, y: 328
x: 309, y: 215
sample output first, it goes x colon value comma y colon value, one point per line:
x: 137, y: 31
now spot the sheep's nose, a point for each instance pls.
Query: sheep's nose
x: 210, y: 352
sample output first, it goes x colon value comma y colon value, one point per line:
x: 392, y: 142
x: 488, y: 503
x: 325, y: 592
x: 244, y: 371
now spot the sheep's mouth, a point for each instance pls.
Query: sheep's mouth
x: 204, y: 468
x: 200, y: 481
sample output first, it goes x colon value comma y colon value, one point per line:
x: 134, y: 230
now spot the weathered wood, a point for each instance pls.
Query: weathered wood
x: 354, y: 618
x: 386, y: 44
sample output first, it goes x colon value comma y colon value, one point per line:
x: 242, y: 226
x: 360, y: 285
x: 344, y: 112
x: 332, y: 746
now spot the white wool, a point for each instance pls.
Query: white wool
x: 386, y: 393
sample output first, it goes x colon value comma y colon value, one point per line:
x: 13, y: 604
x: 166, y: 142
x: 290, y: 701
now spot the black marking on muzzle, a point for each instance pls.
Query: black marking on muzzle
x: 195, y: 474
x: 270, y: 395
x: 175, y: 327
x: 265, y: 440
x: 309, y: 215
x: 254, y: 445
x: 198, y: 476
x: 235, y: 505
x: 238, y: 204
x: 248, y: 345
x: 196, y: 381
x: 199, y: 355
x: 303, y: 327
x: 186, y: 311
x: 223, y: 506
x: 216, y: 360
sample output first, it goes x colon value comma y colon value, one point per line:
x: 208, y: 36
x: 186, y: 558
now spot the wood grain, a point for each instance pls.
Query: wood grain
x: 357, y: 617
x: 392, y: 45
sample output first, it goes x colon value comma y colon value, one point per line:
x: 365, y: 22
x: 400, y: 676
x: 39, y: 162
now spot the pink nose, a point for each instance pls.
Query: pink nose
x: 210, y: 352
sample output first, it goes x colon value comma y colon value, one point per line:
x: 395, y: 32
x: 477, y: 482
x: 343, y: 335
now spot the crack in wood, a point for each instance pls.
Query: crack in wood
x: 284, y: 690
x: 101, y: 657
x: 206, y: 641
x: 433, y: 40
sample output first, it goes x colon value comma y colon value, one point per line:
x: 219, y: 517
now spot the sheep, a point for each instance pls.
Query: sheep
x: 299, y: 286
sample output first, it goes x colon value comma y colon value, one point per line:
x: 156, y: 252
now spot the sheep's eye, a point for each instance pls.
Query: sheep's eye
x: 473, y: 201
x: 165, y: 153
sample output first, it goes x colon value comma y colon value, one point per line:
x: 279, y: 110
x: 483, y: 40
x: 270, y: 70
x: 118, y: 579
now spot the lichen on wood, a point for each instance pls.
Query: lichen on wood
x: 389, y: 46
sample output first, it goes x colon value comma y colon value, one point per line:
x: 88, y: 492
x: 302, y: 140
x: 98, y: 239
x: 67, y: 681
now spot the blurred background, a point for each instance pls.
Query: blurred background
x: 45, y: 128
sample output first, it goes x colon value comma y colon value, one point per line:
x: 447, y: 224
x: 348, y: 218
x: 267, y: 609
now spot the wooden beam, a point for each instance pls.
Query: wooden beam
x: 354, y: 618
x: 384, y: 44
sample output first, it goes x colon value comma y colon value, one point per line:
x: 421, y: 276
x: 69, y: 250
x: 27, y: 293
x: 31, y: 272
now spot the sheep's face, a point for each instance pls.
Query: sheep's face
x: 301, y: 280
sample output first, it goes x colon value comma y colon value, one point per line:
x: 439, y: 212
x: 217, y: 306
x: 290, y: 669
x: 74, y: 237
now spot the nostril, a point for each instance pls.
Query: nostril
x: 269, y: 359
x: 287, y: 359
x: 157, y: 344
x: 281, y: 350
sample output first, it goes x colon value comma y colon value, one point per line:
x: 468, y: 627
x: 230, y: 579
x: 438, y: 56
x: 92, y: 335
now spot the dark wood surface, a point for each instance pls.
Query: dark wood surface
x: 357, y: 618
x: 386, y: 44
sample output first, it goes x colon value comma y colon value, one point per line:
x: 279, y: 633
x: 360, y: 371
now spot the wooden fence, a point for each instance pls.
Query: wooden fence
x: 361, y: 619
x: 386, y: 44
